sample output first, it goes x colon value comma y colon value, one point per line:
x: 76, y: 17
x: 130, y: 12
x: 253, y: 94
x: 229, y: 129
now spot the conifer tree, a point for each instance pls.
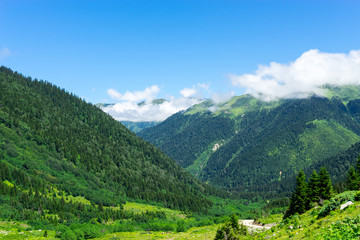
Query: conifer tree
x: 357, y: 168
x: 313, y: 187
x: 298, y: 202
x: 324, y: 184
x: 234, y: 222
x: 352, y: 180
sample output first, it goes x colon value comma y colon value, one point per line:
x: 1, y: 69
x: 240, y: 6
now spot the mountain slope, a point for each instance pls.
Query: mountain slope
x: 262, y: 144
x: 75, y: 147
x: 138, y: 126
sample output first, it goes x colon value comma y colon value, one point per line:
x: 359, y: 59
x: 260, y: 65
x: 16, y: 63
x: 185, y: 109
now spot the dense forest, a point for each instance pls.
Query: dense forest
x: 53, y: 136
x: 262, y: 145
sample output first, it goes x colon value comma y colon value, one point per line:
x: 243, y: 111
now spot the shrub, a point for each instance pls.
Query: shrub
x: 335, y: 203
x: 60, y: 230
x: 181, y: 227
x: 357, y: 196
x: 68, y: 235
x: 348, y: 228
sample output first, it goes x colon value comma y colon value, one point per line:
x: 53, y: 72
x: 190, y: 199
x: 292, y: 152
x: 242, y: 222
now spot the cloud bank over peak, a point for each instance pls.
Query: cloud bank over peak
x: 128, y: 108
x: 303, y: 77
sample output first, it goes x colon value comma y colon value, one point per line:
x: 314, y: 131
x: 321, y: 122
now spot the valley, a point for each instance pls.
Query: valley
x: 70, y: 171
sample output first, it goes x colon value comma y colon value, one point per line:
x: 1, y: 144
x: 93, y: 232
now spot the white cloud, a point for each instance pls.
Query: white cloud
x: 5, y: 52
x: 303, y: 77
x: 222, y: 97
x: 188, y: 92
x: 205, y: 86
x: 148, y: 94
x: 128, y: 109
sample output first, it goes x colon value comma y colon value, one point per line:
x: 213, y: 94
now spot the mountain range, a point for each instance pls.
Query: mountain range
x: 256, y: 147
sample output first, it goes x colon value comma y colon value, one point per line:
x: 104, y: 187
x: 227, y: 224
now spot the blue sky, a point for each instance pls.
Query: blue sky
x: 89, y: 47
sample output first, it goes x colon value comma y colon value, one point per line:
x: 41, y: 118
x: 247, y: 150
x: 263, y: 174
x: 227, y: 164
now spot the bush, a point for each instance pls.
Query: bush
x: 68, y: 235
x: 357, y: 196
x: 345, y: 229
x: 90, y: 231
x: 335, y: 202
x: 60, y: 230
x: 181, y: 227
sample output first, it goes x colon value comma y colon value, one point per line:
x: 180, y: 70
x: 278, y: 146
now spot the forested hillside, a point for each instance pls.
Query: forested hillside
x: 55, y: 139
x: 253, y: 146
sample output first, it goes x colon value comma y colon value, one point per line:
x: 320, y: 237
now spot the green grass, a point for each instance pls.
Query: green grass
x: 310, y: 226
x: 346, y: 93
x: 235, y: 107
x: 274, y: 218
x: 327, y: 138
x: 196, y: 233
x: 142, y: 207
x: 19, y: 230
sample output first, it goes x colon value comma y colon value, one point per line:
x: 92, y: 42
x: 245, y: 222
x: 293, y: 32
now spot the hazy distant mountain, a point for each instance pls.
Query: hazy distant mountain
x: 136, y: 126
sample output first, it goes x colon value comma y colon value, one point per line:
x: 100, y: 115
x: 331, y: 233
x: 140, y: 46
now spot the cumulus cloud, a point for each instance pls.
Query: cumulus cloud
x: 303, y: 77
x: 129, y: 109
x: 5, y: 52
x: 148, y: 94
x: 188, y: 92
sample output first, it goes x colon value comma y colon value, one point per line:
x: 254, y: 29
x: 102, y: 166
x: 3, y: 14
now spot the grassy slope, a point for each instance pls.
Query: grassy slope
x: 20, y: 230
x: 235, y: 107
x: 326, y: 139
x: 310, y: 226
x: 199, y: 233
x: 346, y: 93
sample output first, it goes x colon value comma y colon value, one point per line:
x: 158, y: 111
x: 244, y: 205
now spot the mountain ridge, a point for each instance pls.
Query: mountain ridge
x: 50, y: 133
x: 266, y: 142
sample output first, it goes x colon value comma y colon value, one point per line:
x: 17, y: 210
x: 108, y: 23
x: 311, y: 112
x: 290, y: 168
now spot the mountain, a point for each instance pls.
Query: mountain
x: 60, y: 141
x: 253, y: 146
x: 135, y: 126
x: 138, y: 126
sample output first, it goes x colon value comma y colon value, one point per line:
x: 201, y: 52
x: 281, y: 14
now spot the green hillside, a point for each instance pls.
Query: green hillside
x: 138, y: 126
x: 324, y: 221
x: 252, y: 146
x: 59, y: 140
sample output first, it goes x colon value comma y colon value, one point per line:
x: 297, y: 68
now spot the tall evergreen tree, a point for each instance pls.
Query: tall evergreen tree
x: 324, y: 184
x: 352, y: 180
x: 298, y: 202
x: 358, y: 165
x: 313, y: 187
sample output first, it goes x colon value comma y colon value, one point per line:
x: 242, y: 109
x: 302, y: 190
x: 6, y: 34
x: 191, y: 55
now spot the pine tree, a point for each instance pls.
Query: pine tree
x: 298, y: 202
x: 324, y: 184
x: 352, y: 180
x: 313, y: 187
x: 357, y: 168
x: 234, y: 222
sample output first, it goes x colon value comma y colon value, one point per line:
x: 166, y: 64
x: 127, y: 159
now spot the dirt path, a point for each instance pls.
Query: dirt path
x: 252, y: 226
